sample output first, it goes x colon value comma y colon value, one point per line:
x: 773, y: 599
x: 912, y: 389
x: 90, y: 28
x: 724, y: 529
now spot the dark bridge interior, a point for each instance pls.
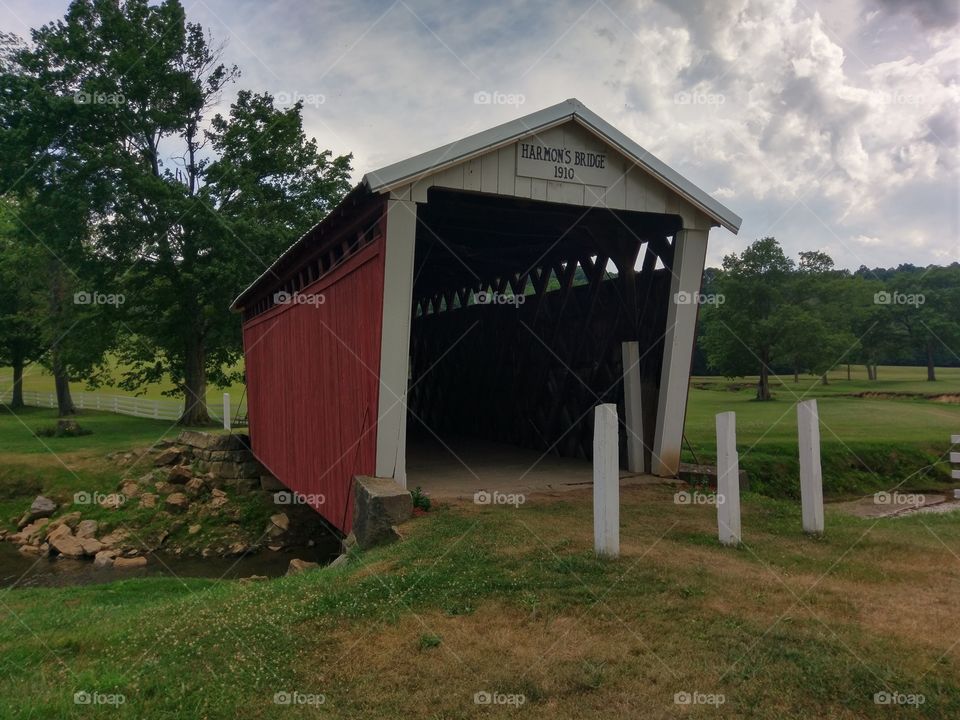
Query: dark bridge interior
x: 565, y: 286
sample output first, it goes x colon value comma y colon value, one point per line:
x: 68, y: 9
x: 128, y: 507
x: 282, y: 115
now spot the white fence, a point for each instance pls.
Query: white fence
x: 162, y: 409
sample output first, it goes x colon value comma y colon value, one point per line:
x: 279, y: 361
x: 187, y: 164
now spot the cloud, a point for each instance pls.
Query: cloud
x: 819, y: 122
x: 929, y: 13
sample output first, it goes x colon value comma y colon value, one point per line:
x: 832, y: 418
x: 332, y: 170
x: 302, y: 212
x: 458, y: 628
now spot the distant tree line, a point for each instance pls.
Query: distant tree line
x: 765, y: 314
x: 133, y: 212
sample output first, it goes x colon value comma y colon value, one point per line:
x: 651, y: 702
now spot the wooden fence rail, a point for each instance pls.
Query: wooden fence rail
x: 158, y: 409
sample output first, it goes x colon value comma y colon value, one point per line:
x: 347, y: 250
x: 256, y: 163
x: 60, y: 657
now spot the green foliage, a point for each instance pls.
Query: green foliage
x: 420, y: 499
x: 137, y: 188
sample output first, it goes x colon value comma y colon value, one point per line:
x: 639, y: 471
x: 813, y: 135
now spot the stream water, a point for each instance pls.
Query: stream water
x: 19, y: 571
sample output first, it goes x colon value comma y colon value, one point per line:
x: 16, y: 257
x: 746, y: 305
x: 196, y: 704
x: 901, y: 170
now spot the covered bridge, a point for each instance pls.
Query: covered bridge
x: 498, y: 287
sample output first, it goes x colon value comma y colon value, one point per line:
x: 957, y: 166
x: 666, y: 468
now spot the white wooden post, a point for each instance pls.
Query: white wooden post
x: 633, y: 412
x: 689, y: 251
x: 955, y: 460
x: 400, y: 244
x: 226, y: 411
x: 728, y: 480
x: 811, y: 474
x: 606, y: 481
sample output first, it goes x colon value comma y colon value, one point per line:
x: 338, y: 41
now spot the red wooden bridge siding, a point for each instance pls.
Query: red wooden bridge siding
x: 313, y: 381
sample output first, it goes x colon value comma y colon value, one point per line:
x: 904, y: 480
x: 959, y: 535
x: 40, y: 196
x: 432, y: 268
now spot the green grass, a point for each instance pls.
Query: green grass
x: 60, y: 467
x: 514, y: 601
x: 867, y: 443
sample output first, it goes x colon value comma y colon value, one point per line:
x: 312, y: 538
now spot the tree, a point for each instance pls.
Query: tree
x: 199, y: 205
x: 742, y: 333
x: 923, y: 304
x: 45, y: 164
x: 20, y: 288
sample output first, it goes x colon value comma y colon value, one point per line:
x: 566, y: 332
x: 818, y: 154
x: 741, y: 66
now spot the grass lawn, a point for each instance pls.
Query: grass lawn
x: 60, y: 467
x: 868, y: 443
x: 493, y: 599
x: 512, y: 601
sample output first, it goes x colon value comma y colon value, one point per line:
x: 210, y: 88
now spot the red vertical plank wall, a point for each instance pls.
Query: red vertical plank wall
x: 313, y: 375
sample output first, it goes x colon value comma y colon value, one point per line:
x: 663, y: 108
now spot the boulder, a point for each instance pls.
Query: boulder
x: 213, y: 441
x: 55, y: 531
x: 66, y: 544
x: 148, y: 500
x: 30, y: 550
x: 86, y: 528
x: 226, y: 469
x: 122, y: 563
x: 177, y: 503
x: 165, y: 488
x: 278, y: 526
x: 130, y: 489
x: 194, y: 529
x: 238, y: 548
x: 379, y: 505
x: 104, y: 558
x: 196, y: 487
x: 31, y: 532
x: 71, y: 520
x: 114, y: 539
x: 180, y: 475
x: 91, y: 546
x: 298, y: 566
x: 41, y: 507
x: 170, y: 456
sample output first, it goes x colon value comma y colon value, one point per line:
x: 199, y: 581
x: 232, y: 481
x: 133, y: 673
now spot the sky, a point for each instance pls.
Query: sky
x: 832, y: 126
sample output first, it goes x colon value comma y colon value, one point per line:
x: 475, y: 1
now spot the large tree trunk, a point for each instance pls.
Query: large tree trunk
x: 16, y: 401
x: 61, y: 382
x: 763, y: 385
x: 824, y: 380
x: 195, y: 382
x: 848, y: 372
x: 931, y: 371
x: 874, y: 372
x: 870, y: 372
x: 796, y: 375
